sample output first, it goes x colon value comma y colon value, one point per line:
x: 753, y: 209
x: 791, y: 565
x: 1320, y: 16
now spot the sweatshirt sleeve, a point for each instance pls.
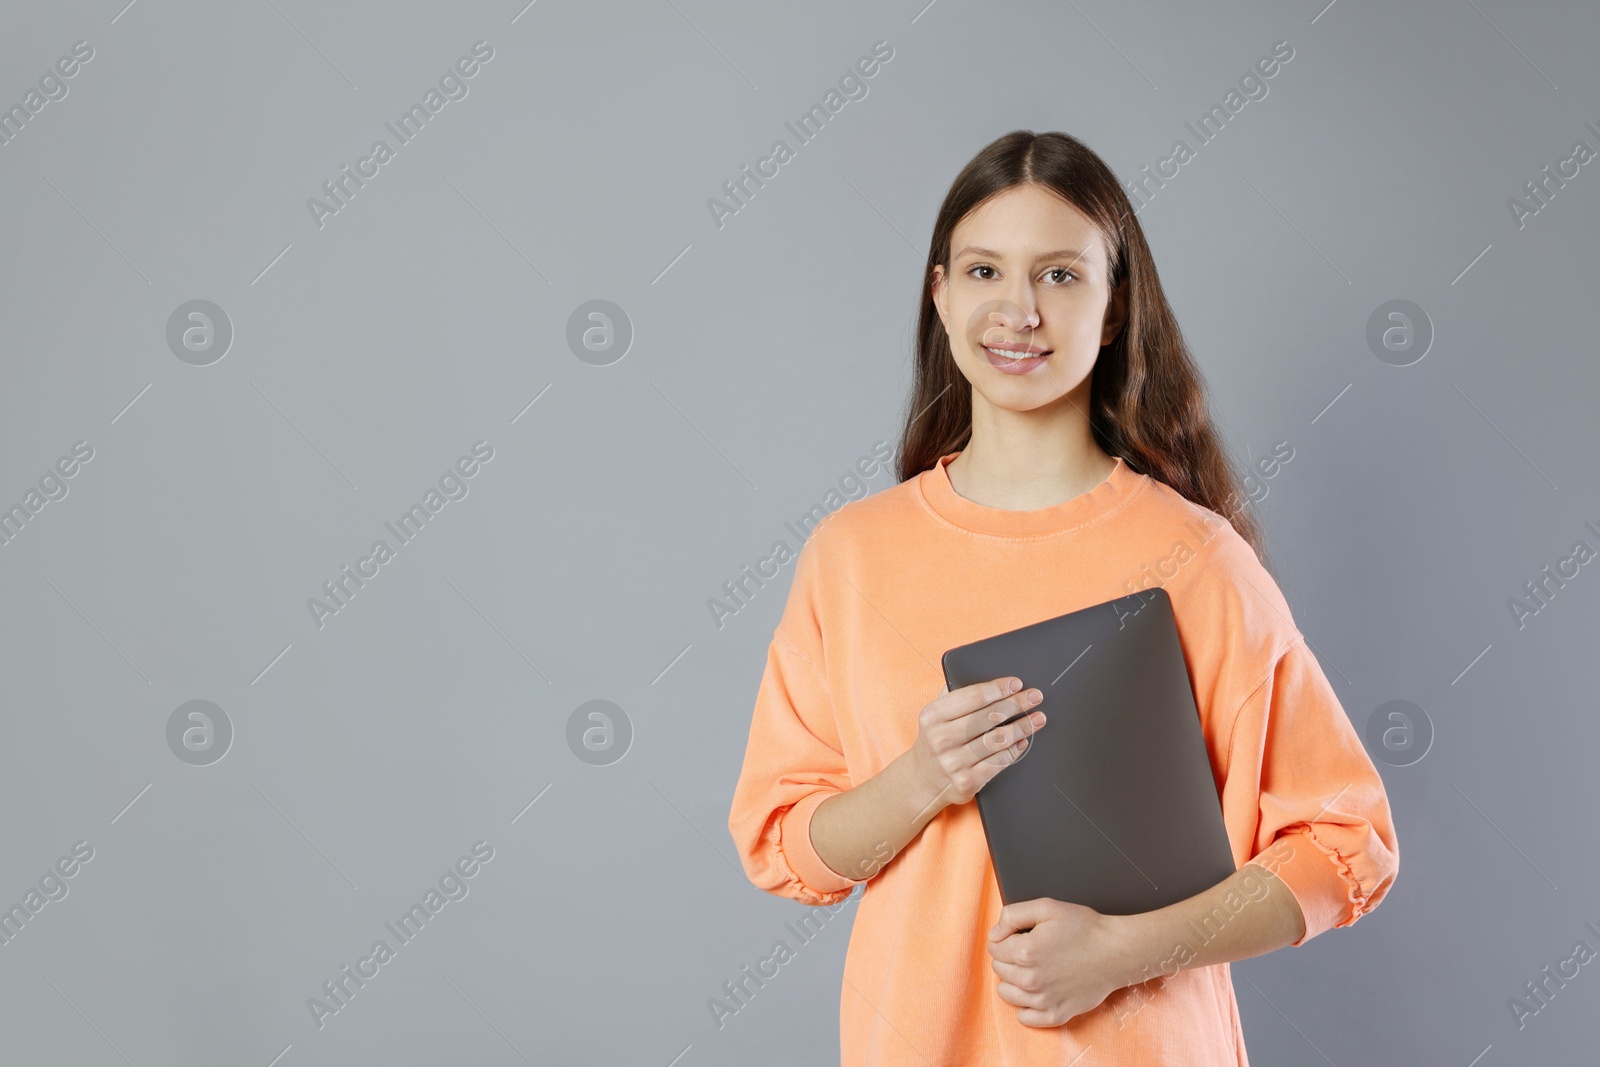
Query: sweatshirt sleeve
x: 793, y: 759
x: 1298, y: 773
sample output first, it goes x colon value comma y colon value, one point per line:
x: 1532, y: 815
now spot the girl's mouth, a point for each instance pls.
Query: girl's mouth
x: 1004, y: 360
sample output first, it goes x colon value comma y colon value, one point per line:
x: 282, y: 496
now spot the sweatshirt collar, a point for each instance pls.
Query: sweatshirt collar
x: 941, y: 497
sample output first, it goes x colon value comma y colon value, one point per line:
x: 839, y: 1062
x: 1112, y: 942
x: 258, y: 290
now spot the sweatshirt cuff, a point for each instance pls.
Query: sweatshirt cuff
x: 1321, y: 881
x: 802, y: 857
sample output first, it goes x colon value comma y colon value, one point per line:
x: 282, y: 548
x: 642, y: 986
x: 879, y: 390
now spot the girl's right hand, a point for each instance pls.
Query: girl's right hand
x: 960, y: 743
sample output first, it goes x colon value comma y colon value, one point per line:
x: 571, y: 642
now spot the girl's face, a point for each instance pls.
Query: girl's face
x: 1027, y: 274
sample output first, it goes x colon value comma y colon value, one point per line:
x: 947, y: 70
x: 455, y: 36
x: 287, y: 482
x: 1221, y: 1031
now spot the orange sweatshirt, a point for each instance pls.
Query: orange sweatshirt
x: 882, y: 587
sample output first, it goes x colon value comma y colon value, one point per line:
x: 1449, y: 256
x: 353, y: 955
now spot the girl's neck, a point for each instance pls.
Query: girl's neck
x: 1026, y: 473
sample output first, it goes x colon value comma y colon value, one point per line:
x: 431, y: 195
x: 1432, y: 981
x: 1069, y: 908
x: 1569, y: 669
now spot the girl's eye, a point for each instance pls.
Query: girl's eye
x: 1053, y: 270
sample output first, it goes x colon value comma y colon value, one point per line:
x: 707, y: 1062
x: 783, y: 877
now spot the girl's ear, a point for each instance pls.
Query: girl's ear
x: 1116, y: 313
x: 941, y: 295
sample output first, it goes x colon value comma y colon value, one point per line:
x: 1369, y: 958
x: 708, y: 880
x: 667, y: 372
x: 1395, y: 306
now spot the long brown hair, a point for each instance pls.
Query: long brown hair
x: 1146, y: 397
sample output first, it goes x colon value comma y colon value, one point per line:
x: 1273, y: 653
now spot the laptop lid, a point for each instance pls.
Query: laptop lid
x: 1113, y: 805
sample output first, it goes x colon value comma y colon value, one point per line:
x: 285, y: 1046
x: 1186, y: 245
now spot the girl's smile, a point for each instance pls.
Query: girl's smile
x: 1014, y: 363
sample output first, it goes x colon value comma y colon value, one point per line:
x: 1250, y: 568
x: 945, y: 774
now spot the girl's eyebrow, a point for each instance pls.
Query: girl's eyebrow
x: 1060, y: 253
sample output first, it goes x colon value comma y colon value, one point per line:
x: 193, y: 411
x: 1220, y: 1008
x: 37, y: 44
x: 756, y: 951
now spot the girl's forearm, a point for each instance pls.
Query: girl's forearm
x: 860, y: 830
x: 1249, y: 913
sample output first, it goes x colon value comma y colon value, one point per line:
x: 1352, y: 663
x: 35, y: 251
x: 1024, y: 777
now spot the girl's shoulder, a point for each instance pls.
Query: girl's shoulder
x: 1211, y: 572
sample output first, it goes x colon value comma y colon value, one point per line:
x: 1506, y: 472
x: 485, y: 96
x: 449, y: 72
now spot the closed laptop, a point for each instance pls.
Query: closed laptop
x: 1113, y: 805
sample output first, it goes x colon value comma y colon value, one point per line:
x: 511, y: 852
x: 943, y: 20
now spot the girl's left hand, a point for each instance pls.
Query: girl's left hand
x: 1070, y: 961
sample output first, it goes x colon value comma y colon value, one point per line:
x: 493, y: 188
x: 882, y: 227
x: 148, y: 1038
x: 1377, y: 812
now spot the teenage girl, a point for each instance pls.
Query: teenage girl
x: 1057, y: 453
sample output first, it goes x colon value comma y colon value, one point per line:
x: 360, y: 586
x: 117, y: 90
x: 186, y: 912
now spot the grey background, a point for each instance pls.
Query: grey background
x: 767, y: 357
